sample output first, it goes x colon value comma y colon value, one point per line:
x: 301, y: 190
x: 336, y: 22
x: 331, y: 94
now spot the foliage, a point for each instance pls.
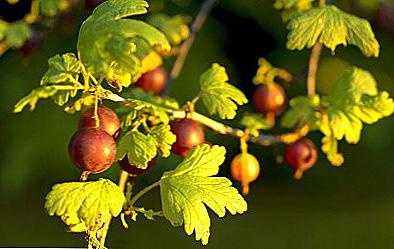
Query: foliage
x: 219, y: 96
x: 331, y: 27
x: 183, y: 202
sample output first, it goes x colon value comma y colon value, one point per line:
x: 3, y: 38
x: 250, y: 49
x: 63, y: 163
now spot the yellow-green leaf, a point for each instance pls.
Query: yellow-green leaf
x: 188, y: 190
x: 331, y: 27
x: 218, y: 95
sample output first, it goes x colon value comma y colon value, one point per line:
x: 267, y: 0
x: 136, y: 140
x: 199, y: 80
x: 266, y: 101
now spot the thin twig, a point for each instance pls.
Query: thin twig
x: 186, y: 45
x: 142, y: 192
x: 265, y: 140
x: 122, y: 185
x: 313, y: 63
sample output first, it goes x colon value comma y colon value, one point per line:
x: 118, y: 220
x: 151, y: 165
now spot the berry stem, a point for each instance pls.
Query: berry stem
x: 143, y: 191
x: 262, y: 139
x: 196, y: 26
x: 122, y: 185
x: 313, y: 63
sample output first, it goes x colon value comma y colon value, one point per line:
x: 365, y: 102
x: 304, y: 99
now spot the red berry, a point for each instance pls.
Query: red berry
x: 301, y: 155
x: 133, y: 170
x: 153, y: 81
x: 269, y: 98
x: 245, y: 168
x: 92, y: 150
x: 108, y: 120
x: 189, y: 133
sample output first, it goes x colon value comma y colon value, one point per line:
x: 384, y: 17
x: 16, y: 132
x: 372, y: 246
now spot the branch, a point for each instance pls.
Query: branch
x: 122, y: 184
x: 264, y: 140
x: 186, y: 45
x: 313, y: 63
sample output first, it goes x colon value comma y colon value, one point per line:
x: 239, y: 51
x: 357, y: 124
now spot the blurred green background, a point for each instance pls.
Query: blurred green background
x: 347, y: 207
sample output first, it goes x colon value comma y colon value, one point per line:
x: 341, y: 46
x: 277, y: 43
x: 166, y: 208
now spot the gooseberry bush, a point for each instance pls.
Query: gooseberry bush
x: 119, y: 59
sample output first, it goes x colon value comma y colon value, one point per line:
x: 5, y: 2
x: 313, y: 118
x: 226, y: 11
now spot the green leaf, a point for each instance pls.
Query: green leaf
x: 175, y: 28
x: 62, y: 70
x: 255, y: 122
x: 52, y: 7
x: 355, y: 99
x: 302, y: 109
x: 14, y: 34
x: 185, y: 190
x: 140, y: 101
x: 139, y: 148
x: 219, y: 96
x: 329, y: 143
x: 105, y: 39
x: 164, y: 138
x: 85, y: 206
x: 32, y: 98
x: 290, y: 8
x: 331, y: 27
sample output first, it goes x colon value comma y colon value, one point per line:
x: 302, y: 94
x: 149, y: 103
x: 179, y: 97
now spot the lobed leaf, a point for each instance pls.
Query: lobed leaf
x: 219, y: 96
x: 302, y: 109
x: 175, y: 28
x: 331, y: 27
x: 139, y: 148
x: 355, y: 99
x: 85, y: 206
x: 164, y: 138
x: 188, y: 190
x: 62, y: 69
x: 290, y: 8
x: 255, y: 122
x: 105, y: 41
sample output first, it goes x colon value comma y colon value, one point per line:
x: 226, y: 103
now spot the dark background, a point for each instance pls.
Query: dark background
x: 347, y: 207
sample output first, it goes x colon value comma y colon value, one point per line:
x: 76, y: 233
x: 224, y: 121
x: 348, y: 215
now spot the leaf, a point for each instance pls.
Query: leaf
x: 302, y: 109
x: 62, y: 69
x: 105, y: 39
x: 290, y: 8
x: 266, y: 73
x: 355, y: 99
x: 329, y: 143
x: 139, y: 148
x: 33, y: 97
x: 219, y: 96
x: 331, y: 27
x: 52, y: 7
x: 255, y: 122
x: 186, y: 189
x: 86, y: 205
x: 14, y: 34
x: 164, y: 138
x: 175, y: 28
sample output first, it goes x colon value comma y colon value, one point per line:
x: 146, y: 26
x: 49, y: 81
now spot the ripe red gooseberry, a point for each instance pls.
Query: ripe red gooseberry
x: 189, y: 133
x: 108, y: 120
x: 153, y: 81
x: 92, y: 150
x: 301, y: 156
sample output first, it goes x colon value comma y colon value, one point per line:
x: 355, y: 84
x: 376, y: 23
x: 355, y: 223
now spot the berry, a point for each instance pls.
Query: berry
x: 301, y: 156
x: 34, y: 42
x: 269, y: 99
x: 153, y: 81
x: 189, y: 133
x: 108, y: 120
x: 245, y: 168
x: 92, y: 150
x: 133, y: 170
x: 92, y: 4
